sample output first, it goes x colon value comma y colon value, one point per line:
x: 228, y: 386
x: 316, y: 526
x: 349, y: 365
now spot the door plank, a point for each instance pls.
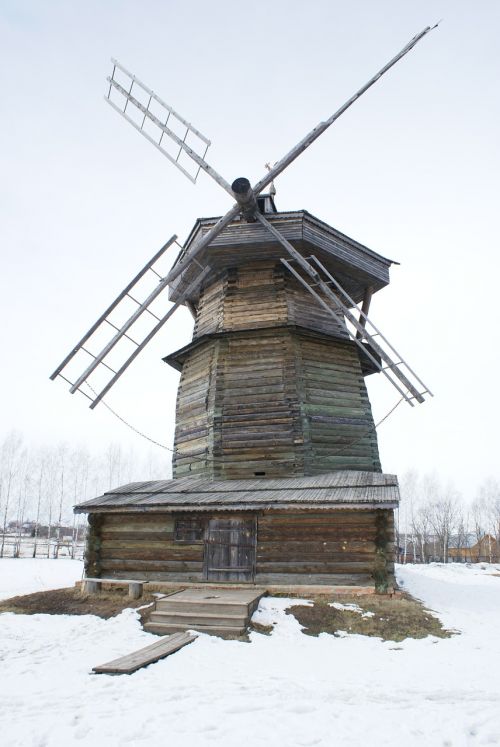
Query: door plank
x: 230, y: 550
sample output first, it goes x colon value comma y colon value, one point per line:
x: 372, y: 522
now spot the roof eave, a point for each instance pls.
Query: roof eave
x: 189, y: 507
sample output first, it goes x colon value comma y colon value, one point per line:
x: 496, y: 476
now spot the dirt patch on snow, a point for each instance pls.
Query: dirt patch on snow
x: 259, y: 628
x: 389, y: 618
x: 71, y: 601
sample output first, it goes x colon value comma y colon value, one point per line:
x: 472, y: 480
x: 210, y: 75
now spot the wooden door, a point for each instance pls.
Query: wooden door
x: 230, y: 550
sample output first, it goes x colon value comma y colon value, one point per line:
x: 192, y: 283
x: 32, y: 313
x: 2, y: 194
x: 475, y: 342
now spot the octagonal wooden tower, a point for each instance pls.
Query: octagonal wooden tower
x: 271, y: 384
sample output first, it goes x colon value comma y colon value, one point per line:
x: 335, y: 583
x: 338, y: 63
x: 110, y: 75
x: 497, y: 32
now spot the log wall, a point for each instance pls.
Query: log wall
x: 260, y: 295
x: 273, y: 402
x: 339, y: 432
x: 292, y: 547
x: 143, y: 546
x: 338, y: 547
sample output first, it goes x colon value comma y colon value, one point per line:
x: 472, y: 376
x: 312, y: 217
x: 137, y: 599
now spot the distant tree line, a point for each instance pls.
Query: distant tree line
x: 40, y: 485
x: 434, y: 520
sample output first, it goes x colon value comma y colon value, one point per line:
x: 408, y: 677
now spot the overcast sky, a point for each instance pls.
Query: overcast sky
x: 411, y: 170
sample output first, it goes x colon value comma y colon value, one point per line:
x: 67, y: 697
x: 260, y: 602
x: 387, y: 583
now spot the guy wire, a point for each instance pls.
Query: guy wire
x: 200, y: 459
x: 137, y: 431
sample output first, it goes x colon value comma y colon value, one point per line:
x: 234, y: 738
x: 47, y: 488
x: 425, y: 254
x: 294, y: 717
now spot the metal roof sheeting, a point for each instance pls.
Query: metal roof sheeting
x: 360, y: 489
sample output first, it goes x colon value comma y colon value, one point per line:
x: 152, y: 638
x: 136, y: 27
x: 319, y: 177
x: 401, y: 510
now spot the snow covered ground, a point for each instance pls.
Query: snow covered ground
x: 27, y: 575
x: 281, y: 690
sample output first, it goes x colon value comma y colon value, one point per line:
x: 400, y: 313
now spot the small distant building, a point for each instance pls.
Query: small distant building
x: 469, y: 549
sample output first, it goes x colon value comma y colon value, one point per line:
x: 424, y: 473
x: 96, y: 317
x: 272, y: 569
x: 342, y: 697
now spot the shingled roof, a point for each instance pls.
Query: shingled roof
x: 351, y: 489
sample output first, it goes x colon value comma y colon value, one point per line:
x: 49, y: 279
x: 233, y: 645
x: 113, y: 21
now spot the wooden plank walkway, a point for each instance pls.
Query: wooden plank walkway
x: 147, y: 655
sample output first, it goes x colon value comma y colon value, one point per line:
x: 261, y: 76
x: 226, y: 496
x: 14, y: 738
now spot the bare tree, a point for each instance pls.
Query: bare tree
x: 9, y: 466
x: 443, y: 518
x: 409, y: 487
x: 462, y: 527
x: 114, y: 458
x: 80, y: 463
x: 156, y: 466
x: 420, y: 523
x: 61, y: 457
x: 39, y: 493
x: 23, y: 485
x: 487, y: 506
x: 478, y: 519
x: 489, y: 496
x: 51, y: 479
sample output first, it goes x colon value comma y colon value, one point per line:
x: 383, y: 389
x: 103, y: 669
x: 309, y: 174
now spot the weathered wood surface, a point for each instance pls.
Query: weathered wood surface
x: 145, y: 544
x: 230, y: 549
x: 302, y: 547
x: 314, y: 548
x: 248, y: 400
x: 147, y: 655
x: 219, y: 611
x: 355, y: 265
x: 94, y: 585
x: 272, y: 403
x: 260, y: 295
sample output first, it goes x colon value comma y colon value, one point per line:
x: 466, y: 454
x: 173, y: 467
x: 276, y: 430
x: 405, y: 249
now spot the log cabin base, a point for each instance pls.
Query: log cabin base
x: 334, y: 530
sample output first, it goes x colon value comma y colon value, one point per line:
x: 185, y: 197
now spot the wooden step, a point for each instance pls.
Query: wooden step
x: 168, y: 629
x: 193, y: 619
x: 215, y: 611
x: 170, y: 605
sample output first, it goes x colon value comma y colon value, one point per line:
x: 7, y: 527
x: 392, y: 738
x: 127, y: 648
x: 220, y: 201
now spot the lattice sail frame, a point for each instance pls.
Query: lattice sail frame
x: 162, y: 121
x: 114, y: 334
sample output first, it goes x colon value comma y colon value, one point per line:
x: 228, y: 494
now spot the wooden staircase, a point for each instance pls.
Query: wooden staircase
x: 214, y: 611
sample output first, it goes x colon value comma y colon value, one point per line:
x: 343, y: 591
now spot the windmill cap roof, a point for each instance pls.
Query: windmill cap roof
x: 354, y: 265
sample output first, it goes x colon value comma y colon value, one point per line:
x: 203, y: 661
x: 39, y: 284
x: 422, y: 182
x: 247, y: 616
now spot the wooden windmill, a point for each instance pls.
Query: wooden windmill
x: 272, y: 398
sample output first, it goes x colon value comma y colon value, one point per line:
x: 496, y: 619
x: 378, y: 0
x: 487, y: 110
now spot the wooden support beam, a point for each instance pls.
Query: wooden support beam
x: 365, y: 309
x: 245, y: 197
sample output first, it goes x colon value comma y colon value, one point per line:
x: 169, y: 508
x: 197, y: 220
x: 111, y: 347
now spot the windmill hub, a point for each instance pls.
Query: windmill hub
x: 245, y: 197
x: 241, y: 185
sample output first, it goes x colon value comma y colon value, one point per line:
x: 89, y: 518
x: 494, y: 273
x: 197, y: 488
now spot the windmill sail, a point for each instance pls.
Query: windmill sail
x: 161, y: 125
x: 322, y: 126
x: 117, y: 325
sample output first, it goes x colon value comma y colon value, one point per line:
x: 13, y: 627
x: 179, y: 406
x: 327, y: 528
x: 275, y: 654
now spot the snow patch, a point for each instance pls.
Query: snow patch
x: 272, y: 611
x: 351, y: 608
x: 28, y: 575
